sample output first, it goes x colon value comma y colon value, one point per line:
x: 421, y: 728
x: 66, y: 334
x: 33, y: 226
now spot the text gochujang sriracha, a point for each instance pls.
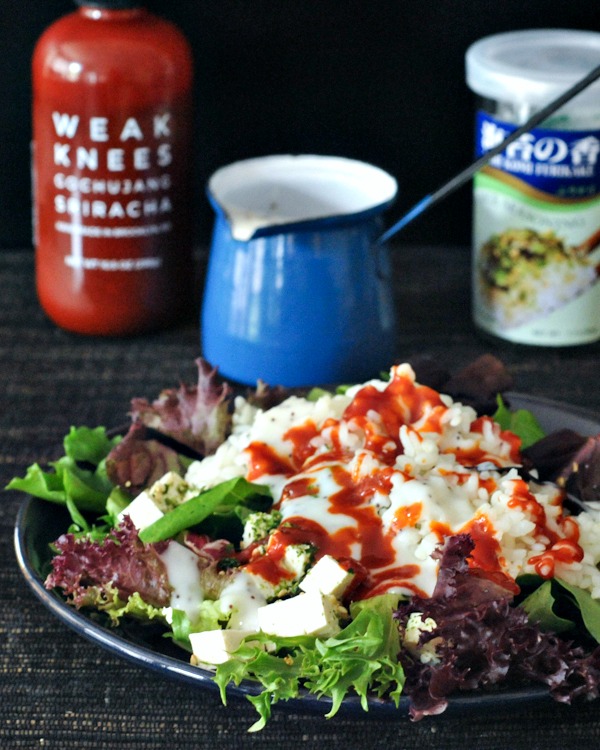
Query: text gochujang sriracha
x: 112, y: 169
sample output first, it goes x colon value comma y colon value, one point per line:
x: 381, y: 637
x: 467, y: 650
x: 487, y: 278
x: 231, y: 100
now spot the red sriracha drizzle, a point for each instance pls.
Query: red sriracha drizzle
x: 402, y: 402
x: 476, y: 455
x: 264, y: 460
x: 565, y: 549
x: 380, y: 414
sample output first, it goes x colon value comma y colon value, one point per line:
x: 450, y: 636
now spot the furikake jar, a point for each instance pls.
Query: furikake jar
x: 536, y: 206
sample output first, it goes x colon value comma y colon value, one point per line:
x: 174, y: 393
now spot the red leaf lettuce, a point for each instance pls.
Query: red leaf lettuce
x: 483, y: 642
x: 189, y: 420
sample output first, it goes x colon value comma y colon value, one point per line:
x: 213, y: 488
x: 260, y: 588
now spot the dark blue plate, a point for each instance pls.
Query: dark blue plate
x: 39, y: 523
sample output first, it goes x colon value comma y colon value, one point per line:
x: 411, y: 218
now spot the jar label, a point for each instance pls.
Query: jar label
x: 536, y: 235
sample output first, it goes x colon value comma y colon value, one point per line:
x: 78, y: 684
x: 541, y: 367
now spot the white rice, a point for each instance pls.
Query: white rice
x: 426, y: 475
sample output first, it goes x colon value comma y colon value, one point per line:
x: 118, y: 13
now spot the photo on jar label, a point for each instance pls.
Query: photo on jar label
x: 525, y: 274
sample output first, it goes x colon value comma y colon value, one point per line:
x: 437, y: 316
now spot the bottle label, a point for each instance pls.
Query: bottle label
x: 111, y: 180
x: 536, y: 235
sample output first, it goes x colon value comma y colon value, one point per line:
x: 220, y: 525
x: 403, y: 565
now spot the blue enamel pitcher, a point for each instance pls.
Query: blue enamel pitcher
x: 295, y: 293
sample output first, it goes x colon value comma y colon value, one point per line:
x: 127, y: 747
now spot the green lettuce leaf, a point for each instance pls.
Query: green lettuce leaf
x: 315, y: 394
x: 540, y: 609
x: 587, y: 605
x: 221, y: 499
x: 78, y: 480
x: 135, y: 607
x: 361, y: 659
x: 106, y: 599
x: 522, y: 422
x: 116, y: 502
x: 558, y: 606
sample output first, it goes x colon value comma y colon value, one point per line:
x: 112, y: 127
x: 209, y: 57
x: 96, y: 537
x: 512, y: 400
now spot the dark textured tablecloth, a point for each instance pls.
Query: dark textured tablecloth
x: 60, y: 691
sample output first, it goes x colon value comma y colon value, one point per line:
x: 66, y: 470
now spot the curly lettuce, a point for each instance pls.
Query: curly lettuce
x: 105, y: 574
x: 360, y: 660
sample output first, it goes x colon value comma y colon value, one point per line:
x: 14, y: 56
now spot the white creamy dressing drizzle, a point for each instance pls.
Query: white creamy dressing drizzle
x: 184, y: 578
x: 432, y: 494
x: 242, y: 597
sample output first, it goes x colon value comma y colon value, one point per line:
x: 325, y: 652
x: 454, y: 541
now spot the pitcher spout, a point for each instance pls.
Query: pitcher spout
x: 285, y: 193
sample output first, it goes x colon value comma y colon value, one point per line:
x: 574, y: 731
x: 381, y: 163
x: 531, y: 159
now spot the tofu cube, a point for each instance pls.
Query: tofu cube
x: 327, y: 576
x: 297, y: 558
x: 165, y: 494
x: 216, y: 646
x: 170, y: 491
x: 311, y: 613
x: 258, y: 525
x: 143, y: 511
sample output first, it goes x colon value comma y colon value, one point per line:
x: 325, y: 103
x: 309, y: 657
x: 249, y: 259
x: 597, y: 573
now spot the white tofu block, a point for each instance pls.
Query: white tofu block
x: 296, y: 558
x: 306, y: 614
x: 142, y: 511
x: 216, y: 646
x: 169, y: 491
x: 328, y: 577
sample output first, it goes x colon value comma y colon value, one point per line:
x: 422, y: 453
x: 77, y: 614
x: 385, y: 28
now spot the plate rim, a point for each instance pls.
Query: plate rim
x: 143, y: 656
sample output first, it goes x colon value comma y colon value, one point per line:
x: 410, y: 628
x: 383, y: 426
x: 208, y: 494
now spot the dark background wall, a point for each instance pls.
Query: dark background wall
x: 378, y: 80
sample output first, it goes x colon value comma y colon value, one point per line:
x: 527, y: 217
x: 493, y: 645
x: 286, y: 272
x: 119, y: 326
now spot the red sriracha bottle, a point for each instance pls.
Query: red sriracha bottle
x: 112, y: 193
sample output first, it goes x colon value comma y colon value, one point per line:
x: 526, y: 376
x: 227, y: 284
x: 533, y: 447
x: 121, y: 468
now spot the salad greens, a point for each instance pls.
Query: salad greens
x: 193, y: 420
x: 79, y: 479
x: 557, y: 605
x: 224, y: 499
x: 483, y: 641
x: 522, y: 422
x: 361, y: 659
x: 540, y: 606
x: 114, y: 569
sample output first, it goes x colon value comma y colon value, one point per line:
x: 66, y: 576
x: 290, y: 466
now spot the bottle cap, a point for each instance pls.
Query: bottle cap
x: 533, y: 66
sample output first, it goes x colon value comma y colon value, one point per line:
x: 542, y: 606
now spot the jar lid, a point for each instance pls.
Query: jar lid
x: 533, y: 66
